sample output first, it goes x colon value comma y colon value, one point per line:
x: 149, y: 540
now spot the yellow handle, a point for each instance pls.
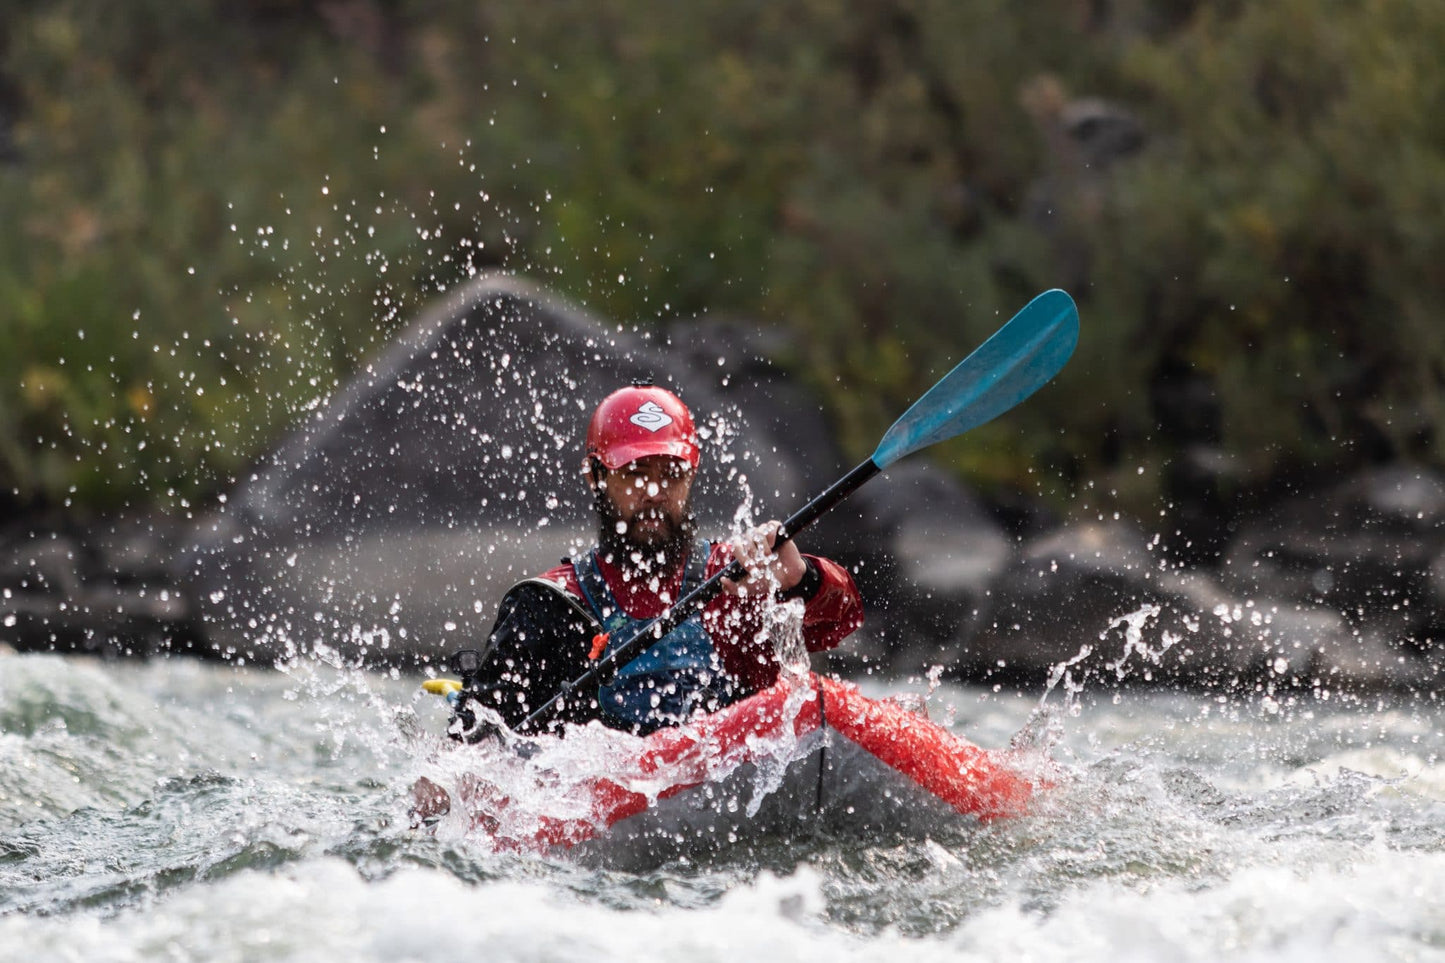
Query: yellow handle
x: 442, y: 687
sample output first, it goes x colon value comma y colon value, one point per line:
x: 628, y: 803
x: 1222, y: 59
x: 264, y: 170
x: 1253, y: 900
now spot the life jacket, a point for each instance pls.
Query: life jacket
x: 675, y: 678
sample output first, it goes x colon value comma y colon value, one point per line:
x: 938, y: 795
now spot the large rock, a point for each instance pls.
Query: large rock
x: 1058, y: 598
x: 1366, y: 548
x: 1101, y: 599
x: 101, y: 588
x: 778, y: 421
x: 390, y: 523
x: 932, y: 552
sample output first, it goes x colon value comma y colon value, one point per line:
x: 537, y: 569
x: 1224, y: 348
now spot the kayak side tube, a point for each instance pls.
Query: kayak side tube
x: 802, y: 754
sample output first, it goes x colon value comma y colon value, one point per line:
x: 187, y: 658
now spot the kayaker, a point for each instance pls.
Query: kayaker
x: 641, y: 459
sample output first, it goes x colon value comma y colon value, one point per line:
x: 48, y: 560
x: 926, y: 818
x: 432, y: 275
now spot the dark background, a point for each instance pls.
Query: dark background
x: 213, y: 213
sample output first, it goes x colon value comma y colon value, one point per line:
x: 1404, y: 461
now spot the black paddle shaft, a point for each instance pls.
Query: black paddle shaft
x: 694, y: 601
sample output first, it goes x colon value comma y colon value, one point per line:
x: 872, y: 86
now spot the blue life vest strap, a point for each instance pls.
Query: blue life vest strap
x: 677, y: 676
x: 599, y: 597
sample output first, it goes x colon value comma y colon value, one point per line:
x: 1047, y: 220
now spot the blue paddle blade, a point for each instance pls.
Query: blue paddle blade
x: 1018, y: 360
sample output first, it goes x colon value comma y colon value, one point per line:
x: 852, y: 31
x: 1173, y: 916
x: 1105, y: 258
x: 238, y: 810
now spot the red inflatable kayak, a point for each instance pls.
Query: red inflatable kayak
x: 813, y: 753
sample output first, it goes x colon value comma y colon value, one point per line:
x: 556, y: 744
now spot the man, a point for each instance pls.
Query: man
x: 642, y: 456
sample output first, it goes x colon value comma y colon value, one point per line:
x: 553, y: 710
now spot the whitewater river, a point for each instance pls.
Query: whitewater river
x: 181, y: 810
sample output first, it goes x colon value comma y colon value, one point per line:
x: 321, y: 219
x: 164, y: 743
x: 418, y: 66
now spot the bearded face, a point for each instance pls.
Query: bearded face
x: 644, y: 511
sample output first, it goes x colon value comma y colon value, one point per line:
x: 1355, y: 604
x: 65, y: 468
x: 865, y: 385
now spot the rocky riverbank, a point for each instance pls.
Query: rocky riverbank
x: 1339, y: 589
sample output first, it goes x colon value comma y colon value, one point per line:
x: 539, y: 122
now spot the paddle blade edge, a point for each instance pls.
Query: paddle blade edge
x: 1019, y: 359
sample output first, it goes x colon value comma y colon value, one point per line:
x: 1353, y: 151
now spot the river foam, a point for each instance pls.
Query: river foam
x: 185, y: 810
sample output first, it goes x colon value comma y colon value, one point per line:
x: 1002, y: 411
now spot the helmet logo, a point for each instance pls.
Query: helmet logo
x: 651, y: 416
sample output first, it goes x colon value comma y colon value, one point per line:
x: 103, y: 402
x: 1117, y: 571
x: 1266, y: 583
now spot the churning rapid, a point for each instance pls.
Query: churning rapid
x: 176, y: 809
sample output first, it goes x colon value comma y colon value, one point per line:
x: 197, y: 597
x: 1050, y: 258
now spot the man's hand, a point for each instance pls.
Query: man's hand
x: 754, y: 549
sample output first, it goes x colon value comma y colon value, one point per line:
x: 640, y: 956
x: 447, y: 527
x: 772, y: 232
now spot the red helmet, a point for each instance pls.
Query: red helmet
x: 638, y: 421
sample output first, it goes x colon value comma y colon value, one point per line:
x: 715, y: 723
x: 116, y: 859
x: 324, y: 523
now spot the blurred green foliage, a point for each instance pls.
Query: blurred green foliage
x: 212, y: 212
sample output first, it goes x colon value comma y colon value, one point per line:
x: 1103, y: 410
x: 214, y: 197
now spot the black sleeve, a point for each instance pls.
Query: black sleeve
x: 808, y: 585
x: 540, y: 642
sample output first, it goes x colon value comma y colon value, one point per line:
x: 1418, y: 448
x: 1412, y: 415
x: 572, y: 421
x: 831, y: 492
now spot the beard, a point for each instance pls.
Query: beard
x: 652, y: 540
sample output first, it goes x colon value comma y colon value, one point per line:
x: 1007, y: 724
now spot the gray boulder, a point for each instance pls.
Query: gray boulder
x: 1366, y: 548
x: 1100, y: 598
x: 783, y: 422
x: 102, y: 588
x: 1057, y: 598
x: 931, y: 555
x: 388, y: 525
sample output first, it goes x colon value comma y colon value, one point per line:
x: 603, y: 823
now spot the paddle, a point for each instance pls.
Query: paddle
x: 1020, y: 358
